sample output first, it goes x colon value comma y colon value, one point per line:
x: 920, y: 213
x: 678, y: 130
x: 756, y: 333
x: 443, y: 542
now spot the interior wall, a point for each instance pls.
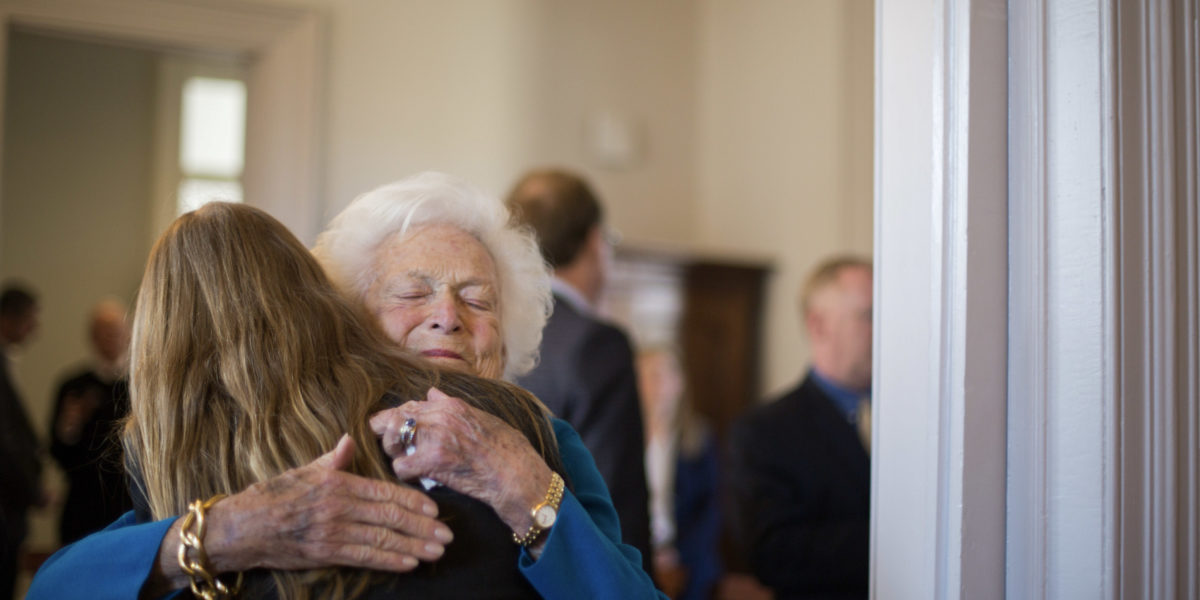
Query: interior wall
x: 631, y: 63
x: 76, y: 185
x: 784, y: 159
x: 487, y: 90
x: 76, y: 181
x: 421, y: 85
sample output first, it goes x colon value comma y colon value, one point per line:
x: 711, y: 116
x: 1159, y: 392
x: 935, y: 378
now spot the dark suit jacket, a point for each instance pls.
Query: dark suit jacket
x: 586, y: 377
x: 20, y: 468
x: 97, y: 492
x: 799, y: 479
x: 19, y: 450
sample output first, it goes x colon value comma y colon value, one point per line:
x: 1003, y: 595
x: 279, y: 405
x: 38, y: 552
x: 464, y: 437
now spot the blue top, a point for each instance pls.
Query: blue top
x: 582, y: 558
x: 846, y: 400
x: 698, y: 519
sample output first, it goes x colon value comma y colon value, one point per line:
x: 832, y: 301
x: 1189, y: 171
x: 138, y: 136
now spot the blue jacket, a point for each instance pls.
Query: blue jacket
x: 583, y: 556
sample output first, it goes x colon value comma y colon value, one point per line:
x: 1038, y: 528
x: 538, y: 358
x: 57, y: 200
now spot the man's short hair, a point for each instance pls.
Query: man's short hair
x: 561, y: 208
x: 16, y: 301
x: 825, y: 274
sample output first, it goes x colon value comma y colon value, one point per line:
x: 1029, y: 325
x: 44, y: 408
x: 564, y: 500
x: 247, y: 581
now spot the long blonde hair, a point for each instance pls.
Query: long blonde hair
x: 247, y: 362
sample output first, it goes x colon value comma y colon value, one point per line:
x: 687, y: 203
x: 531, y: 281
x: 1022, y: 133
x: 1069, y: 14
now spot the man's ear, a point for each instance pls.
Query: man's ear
x: 595, y: 241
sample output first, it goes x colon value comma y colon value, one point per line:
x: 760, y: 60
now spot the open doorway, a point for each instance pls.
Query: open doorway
x: 100, y: 196
x: 86, y: 177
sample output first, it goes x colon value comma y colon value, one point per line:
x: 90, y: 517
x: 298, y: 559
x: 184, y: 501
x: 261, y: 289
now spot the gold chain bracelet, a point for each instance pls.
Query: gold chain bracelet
x: 204, y: 584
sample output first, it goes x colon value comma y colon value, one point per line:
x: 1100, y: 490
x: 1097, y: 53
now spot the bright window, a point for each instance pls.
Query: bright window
x: 211, y: 141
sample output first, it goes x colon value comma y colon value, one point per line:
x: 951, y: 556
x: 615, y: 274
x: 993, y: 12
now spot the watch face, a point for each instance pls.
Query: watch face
x: 545, y: 517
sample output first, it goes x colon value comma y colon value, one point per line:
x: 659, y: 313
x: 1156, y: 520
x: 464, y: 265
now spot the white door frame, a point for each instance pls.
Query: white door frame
x: 285, y: 50
x: 938, y: 467
x: 1098, y: 490
x: 1062, y: 395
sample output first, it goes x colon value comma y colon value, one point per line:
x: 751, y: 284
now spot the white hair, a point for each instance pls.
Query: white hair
x: 347, y: 250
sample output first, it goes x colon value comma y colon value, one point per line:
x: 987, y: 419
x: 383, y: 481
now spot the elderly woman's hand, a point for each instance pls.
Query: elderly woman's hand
x: 468, y: 450
x: 314, y: 516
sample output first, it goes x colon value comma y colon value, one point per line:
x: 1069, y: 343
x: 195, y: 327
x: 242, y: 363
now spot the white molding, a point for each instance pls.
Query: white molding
x: 1028, y: 443
x: 941, y: 264
x: 1103, y: 401
x: 1061, y: 522
x: 1187, y: 36
x: 236, y: 26
x: 1156, y: 200
x: 284, y: 48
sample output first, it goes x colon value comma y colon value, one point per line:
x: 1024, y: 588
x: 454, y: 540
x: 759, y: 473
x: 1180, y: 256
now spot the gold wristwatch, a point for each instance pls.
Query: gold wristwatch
x: 545, y: 513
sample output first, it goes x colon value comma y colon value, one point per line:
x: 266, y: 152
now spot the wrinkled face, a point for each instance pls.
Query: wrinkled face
x: 437, y: 293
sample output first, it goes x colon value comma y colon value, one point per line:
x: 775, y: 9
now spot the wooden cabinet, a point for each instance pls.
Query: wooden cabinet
x: 709, y: 309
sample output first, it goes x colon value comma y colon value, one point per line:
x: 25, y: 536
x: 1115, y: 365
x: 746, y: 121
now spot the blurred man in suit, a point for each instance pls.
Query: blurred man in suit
x: 586, y: 375
x: 799, y: 469
x: 20, y: 465
x: 83, y: 434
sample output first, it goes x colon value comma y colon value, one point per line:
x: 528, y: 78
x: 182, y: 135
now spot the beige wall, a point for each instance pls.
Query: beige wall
x: 487, y: 89
x: 425, y: 85
x: 75, y: 189
x: 784, y: 158
x: 634, y: 60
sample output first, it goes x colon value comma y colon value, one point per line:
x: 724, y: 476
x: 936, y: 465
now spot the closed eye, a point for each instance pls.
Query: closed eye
x: 411, y: 295
x: 479, y: 304
x: 478, y: 297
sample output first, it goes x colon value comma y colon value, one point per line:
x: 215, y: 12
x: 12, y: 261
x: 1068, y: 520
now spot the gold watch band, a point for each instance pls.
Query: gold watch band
x: 553, y: 499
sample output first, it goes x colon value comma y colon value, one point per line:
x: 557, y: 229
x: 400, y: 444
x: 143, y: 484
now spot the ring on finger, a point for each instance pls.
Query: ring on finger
x: 408, y: 434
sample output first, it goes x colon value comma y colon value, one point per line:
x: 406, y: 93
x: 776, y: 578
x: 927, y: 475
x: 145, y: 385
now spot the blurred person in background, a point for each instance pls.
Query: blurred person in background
x: 20, y: 452
x: 799, y: 469
x: 586, y: 375
x: 681, y: 468
x: 83, y: 435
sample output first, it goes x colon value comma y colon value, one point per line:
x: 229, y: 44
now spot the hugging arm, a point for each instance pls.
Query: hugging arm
x: 584, y: 556
x: 313, y: 516
x: 475, y: 453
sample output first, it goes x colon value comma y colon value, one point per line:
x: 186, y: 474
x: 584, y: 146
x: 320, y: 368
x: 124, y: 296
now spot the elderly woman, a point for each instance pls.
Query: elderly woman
x: 466, y: 301
x: 447, y: 274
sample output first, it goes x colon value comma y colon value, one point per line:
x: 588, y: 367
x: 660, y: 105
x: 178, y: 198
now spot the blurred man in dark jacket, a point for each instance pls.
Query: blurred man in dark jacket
x: 83, y: 431
x: 799, y: 471
x: 20, y: 465
x: 586, y: 375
